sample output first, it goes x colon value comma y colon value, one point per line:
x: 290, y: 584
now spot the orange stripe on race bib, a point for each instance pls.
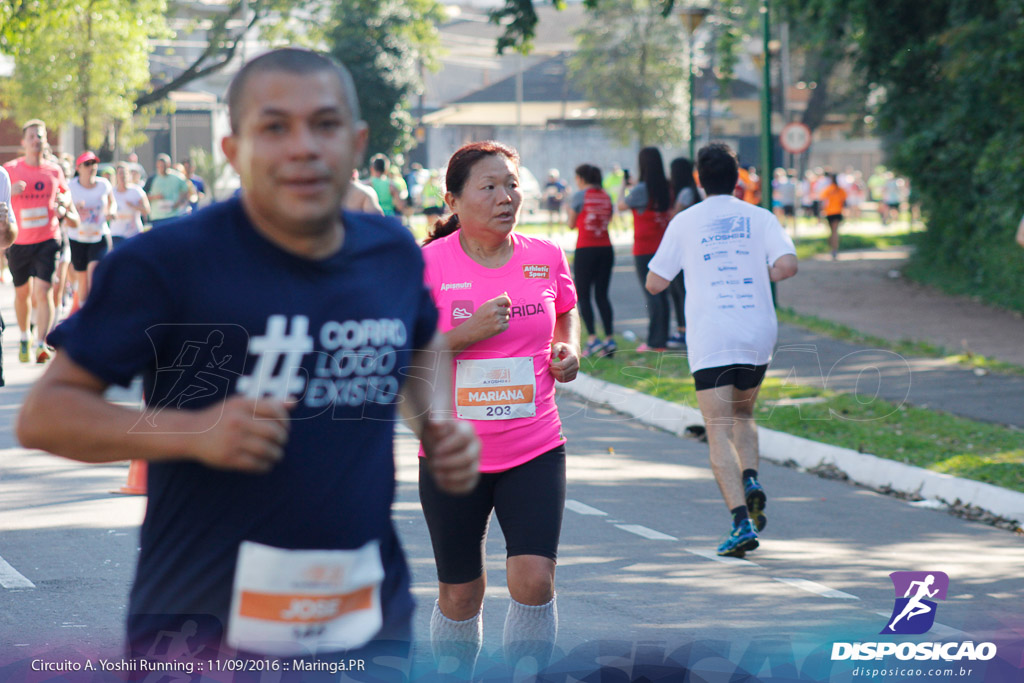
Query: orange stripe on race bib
x: 303, y: 608
x: 492, y: 397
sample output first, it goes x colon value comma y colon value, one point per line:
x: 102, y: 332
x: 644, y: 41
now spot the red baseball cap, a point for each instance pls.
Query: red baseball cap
x: 86, y: 156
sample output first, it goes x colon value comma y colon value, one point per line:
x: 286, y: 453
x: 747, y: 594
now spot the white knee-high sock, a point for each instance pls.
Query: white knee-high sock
x: 456, y: 644
x: 530, y: 631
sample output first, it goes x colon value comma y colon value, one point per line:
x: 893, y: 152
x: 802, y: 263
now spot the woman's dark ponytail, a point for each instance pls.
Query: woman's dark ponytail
x: 443, y: 229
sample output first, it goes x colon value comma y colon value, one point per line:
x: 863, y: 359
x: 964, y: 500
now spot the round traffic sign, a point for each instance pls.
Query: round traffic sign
x: 795, y: 137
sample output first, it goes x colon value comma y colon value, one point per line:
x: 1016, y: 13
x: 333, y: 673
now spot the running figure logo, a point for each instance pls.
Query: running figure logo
x: 914, y: 613
x: 461, y: 310
x: 207, y: 366
x: 276, y: 373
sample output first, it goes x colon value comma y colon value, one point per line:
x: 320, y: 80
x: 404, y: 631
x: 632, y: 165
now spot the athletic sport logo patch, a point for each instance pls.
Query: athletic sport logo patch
x: 537, y: 272
x: 461, y: 310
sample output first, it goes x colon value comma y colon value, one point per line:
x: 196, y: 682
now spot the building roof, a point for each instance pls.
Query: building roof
x: 547, y: 81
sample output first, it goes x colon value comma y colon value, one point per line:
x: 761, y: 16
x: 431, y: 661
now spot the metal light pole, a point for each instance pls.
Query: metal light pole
x: 767, y: 163
x: 692, y: 17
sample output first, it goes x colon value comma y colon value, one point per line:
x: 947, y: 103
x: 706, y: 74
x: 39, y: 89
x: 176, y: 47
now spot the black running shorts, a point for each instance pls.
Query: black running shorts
x: 529, y: 501
x: 84, y: 253
x: 37, y: 260
x: 743, y: 377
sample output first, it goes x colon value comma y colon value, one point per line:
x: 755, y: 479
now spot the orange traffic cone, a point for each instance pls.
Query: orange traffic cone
x: 136, y: 484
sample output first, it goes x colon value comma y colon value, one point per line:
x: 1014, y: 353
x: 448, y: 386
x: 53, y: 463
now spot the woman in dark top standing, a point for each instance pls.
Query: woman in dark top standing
x: 686, y: 194
x: 590, y: 212
x: 651, y: 201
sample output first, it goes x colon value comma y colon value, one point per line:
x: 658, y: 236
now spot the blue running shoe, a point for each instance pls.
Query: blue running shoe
x: 609, y: 348
x: 756, y: 502
x: 593, y: 348
x: 742, y: 539
x: 677, y: 341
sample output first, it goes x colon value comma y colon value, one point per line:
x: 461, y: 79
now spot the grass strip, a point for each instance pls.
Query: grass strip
x: 925, y: 438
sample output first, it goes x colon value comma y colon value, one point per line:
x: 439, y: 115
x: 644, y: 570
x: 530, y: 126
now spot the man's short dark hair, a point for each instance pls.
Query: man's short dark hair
x: 292, y: 60
x: 718, y: 168
x: 379, y: 163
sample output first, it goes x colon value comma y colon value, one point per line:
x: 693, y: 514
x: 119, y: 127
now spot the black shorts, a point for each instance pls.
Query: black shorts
x: 788, y: 210
x: 529, y: 500
x: 84, y: 253
x: 433, y: 211
x: 743, y: 377
x: 37, y: 260
x: 834, y: 216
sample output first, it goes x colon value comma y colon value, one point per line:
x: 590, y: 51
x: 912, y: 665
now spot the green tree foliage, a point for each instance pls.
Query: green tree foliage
x: 519, y: 18
x: 952, y: 75
x: 385, y: 44
x: 631, y: 66
x: 80, y: 62
x: 279, y: 22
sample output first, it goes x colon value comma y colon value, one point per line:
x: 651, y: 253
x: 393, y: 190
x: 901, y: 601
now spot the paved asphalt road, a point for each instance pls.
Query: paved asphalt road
x: 637, y: 574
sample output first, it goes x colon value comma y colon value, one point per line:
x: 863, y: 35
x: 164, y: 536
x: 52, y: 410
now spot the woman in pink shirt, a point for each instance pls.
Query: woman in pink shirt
x: 508, y: 312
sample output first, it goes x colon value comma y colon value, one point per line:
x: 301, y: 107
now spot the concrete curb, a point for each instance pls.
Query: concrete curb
x: 869, y: 470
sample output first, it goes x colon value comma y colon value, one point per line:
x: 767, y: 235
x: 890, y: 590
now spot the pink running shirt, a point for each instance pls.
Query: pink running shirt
x: 537, y: 280
x: 35, y: 208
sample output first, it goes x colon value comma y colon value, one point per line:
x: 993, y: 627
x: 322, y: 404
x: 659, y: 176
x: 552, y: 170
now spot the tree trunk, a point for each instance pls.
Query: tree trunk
x: 83, y: 76
x: 820, y: 72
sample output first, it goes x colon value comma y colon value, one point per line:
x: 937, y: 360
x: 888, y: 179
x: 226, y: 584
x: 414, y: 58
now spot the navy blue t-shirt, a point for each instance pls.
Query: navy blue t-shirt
x: 192, y: 307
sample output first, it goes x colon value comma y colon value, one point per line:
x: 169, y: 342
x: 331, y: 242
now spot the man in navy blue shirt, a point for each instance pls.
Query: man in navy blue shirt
x: 276, y: 336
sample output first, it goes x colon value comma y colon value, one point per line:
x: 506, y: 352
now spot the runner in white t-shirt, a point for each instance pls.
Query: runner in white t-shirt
x: 90, y: 239
x: 8, y: 224
x: 730, y: 252
x: 8, y: 232
x: 507, y: 308
x: 132, y: 204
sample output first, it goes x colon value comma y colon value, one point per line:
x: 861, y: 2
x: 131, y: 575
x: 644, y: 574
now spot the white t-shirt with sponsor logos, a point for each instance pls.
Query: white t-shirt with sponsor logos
x: 91, y: 205
x: 724, y: 247
x: 129, y: 219
x: 5, y: 195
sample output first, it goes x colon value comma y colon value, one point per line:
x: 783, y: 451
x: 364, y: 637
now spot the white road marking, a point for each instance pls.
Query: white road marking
x: 812, y: 587
x: 711, y: 555
x: 645, y: 532
x: 11, y: 577
x: 583, y: 509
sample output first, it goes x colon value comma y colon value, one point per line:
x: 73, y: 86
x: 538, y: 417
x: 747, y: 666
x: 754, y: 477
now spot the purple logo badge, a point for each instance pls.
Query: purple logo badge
x: 914, y: 611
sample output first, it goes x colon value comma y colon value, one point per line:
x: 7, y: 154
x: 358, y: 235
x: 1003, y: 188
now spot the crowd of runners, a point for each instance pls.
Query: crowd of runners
x: 271, y: 457
x: 69, y: 214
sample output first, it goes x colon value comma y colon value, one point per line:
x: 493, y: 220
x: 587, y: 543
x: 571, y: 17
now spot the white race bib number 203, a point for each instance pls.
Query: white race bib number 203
x: 495, y: 389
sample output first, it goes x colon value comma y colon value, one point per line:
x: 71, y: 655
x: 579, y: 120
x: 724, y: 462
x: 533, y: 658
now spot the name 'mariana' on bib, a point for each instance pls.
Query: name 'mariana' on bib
x: 495, y: 389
